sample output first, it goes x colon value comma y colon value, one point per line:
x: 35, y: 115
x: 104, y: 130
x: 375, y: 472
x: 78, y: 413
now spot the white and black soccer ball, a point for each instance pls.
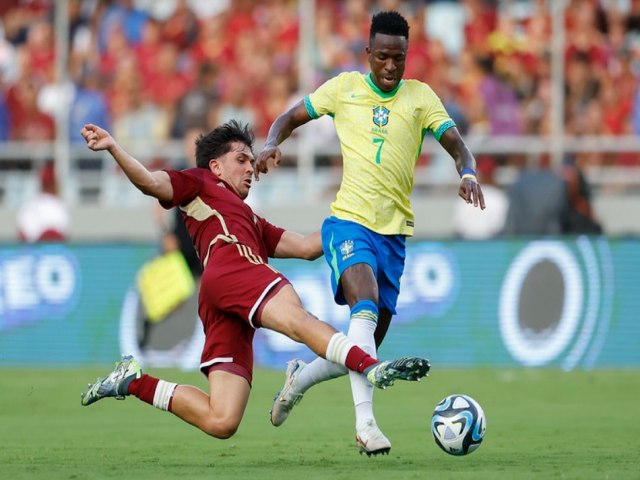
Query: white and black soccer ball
x: 458, y: 424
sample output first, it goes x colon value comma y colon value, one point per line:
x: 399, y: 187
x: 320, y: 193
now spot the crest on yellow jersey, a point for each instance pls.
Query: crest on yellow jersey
x: 380, y: 116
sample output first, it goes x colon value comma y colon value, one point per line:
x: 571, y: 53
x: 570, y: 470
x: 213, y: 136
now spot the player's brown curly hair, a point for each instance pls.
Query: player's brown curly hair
x: 218, y: 141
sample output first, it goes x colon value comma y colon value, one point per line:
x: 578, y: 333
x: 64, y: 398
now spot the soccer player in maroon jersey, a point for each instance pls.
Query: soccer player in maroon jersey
x: 239, y: 290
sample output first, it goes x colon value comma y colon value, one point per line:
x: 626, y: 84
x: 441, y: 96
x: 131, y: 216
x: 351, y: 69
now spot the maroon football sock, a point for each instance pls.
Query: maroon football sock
x: 144, y: 388
x: 359, y: 360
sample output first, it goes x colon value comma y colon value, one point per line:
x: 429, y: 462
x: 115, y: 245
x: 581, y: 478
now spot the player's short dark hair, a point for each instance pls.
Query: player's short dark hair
x: 389, y: 23
x: 218, y: 141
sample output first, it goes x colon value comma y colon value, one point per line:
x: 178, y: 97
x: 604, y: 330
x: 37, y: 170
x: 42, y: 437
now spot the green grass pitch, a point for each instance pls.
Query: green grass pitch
x: 541, y: 424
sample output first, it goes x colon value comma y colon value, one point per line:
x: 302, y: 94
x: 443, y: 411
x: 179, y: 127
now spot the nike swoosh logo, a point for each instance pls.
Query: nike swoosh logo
x: 354, y: 95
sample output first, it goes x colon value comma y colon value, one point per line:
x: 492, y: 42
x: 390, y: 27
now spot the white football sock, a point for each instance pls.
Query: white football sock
x: 361, y: 332
x: 316, y: 372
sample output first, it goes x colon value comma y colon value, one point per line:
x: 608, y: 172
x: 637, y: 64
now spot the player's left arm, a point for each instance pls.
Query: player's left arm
x: 296, y: 245
x: 156, y: 184
x: 469, y: 189
x: 280, y: 130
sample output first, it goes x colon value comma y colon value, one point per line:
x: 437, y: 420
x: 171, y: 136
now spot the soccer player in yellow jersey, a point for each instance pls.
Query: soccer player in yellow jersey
x: 381, y: 121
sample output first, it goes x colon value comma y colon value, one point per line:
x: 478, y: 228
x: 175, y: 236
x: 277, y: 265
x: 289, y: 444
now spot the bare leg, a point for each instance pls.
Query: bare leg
x: 384, y: 320
x: 320, y: 370
x: 284, y: 313
x: 219, y: 414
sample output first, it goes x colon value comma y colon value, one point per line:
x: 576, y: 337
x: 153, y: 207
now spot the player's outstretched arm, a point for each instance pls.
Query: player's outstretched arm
x: 295, y: 245
x: 469, y: 189
x: 155, y: 184
x: 279, y: 131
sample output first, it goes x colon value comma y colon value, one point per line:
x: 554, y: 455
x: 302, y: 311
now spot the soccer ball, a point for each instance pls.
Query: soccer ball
x: 458, y: 424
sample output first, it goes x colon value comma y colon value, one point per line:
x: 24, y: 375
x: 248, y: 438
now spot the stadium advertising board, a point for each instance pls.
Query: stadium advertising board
x: 565, y: 303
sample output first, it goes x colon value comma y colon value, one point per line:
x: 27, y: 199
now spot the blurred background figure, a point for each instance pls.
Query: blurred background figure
x: 174, y: 239
x: 174, y: 232
x: 537, y: 204
x: 45, y: 217
x: 546, y: 201
x: 580, y: 218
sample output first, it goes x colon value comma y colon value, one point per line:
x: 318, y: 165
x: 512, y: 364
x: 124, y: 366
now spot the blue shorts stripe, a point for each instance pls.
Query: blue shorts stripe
x: 333, y: 263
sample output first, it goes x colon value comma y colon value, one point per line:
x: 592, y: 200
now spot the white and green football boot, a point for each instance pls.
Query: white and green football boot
x: 384, y: 374
x: 115, y: 384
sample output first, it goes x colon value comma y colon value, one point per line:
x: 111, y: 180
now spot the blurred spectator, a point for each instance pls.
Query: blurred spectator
x: 147, y: 50
x: 547, y: 202
x: 500, y: 100
x: 166, y: 83
x: 481, y: 21
x: 580, y: 218
x: 89, y: 105
x: 181, y: 28
x: 28, y: 123
x: 276, y: 100
x: 79, y: 25
x: 198, y: 104
x: 236, y: 105
x: 115, y: 51
x: 537, y: 204
x: 45, y: 217
x: 39, y: 50
x: 471, y: 223
x: 5, y: 122
x: 213, y: 45
x: 8, y: 59
x: 140, y: 120
x: 174, y: 233
x: 121, y: 14
x: 135, y: 117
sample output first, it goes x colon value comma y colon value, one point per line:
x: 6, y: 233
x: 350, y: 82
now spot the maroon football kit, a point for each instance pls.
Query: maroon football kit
x: 233, y: 244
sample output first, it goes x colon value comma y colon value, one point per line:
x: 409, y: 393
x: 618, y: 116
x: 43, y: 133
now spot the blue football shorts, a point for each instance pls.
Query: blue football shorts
x: 347, y: 243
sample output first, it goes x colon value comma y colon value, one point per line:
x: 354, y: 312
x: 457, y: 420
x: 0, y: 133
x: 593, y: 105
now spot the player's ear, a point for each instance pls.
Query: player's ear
x: 215, y: 166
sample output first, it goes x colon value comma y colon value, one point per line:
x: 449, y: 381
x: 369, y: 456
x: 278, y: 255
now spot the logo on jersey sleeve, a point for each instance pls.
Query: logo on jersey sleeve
x: 380, y: 116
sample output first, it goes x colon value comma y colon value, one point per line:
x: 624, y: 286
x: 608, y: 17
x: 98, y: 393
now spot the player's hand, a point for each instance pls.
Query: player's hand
x: 268, y: 158
x: 97, y: 138
x: 471, y: 192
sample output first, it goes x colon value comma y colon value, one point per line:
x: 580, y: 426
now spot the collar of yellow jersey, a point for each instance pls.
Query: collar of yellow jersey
x: 377, y: 90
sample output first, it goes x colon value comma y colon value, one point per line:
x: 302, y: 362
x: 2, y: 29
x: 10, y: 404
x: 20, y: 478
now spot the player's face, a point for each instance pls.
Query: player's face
x: 235, y: 168
x: 387, y: 54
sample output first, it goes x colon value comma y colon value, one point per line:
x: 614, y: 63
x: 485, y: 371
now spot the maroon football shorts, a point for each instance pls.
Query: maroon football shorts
x: 233, y: 291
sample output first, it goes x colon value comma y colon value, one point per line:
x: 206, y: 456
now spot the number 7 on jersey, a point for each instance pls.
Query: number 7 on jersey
x: 381, y: 142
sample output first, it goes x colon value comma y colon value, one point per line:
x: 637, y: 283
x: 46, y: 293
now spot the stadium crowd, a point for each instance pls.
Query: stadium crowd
x: 154, y: 69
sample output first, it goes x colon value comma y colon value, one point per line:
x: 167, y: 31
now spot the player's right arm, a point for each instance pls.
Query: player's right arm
x: 156, y: 184
x: 280, y: 130
x: 296, y: 245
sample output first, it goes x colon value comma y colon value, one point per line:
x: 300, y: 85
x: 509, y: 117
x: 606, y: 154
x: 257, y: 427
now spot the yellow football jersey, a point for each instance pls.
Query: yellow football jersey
x: 381, y: 137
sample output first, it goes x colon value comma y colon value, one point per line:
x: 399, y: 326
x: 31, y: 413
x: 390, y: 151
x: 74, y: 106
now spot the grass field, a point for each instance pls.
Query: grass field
x: 541, y: 424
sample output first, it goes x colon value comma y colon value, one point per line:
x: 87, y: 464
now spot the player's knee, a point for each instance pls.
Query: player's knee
x: 221, y: 428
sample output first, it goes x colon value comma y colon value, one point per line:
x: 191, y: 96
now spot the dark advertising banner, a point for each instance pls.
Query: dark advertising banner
x: 566, y: 303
